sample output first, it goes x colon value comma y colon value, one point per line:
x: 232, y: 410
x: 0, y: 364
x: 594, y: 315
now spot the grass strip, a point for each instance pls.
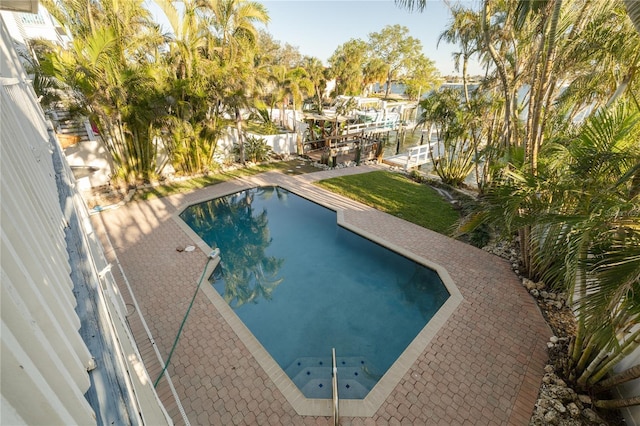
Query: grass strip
x: 399, y: 196
x: 292, y: 167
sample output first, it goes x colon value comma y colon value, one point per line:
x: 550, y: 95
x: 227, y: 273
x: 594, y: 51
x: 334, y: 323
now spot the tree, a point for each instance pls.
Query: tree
x: 422, y: 76
x: 568, y: 186
x: 453, y: 158
x: 318, y: 76
x: 347, y: 67
x: 375, y: 71
x: 464, y: 29
x: 583, y: 211
x: 297, y: 85
x: 397, y: 49
x: 190, y: 131
x: 232, y: 22
x: 109, y: 65
x: 236, y: 37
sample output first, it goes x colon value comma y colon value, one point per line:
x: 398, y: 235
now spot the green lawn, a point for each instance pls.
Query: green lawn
x: 399, y: 196
x: 292, y: 167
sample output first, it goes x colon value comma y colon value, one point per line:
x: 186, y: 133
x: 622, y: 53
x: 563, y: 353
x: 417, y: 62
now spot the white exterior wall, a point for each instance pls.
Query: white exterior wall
x: 91, y: 153
x: 44, y: 361
x: 23, y: 26
x: 283, y: 143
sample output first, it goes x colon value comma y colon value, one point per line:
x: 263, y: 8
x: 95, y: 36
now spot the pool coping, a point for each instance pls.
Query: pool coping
x: 368, y: 406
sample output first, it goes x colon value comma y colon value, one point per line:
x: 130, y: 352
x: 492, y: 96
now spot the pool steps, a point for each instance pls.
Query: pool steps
x: 312, y: 375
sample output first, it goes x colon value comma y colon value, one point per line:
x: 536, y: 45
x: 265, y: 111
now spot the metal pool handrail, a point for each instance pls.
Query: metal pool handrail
x: 334, y: 382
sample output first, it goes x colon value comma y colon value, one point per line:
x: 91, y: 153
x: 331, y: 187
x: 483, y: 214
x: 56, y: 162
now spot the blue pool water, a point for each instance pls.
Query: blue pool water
x: 303, y: 285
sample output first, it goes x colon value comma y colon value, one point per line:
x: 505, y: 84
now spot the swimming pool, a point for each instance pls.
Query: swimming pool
x: 303, y: 284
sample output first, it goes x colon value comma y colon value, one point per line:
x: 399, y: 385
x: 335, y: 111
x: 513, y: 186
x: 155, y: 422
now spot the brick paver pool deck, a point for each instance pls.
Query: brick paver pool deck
x: 482, y: 365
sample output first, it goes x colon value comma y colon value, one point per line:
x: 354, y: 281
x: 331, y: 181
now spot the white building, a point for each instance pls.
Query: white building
x: 67, y: 354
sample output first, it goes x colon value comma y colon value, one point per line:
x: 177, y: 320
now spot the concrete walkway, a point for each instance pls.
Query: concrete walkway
x: 483, y: 365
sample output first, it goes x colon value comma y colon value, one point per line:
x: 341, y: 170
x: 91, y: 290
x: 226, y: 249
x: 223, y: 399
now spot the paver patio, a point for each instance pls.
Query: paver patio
x: 483, y: 366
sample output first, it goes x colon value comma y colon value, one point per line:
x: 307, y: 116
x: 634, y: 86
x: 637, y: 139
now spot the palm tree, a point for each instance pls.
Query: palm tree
x: 188, y: 36
x: 451, y: 120
x: 297, y: 85
x: 117, y: 82
x: 347, y: 67
x: 583, y: 210
x: 233, y: 24
x: 464, y: 29
x: 192, y: 127
x: 318, y: 75
x: 232, y: 48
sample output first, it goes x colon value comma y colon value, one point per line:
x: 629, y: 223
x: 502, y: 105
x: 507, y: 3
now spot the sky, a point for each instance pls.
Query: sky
x: 318, y: 27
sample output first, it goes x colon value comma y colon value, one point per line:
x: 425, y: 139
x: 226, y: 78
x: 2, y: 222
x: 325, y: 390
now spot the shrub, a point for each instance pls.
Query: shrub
x: 255, y: 149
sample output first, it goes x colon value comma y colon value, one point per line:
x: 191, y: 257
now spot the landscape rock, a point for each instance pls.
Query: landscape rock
x: 573, y: 409
x: 528, y: 284
x: 551, y: 417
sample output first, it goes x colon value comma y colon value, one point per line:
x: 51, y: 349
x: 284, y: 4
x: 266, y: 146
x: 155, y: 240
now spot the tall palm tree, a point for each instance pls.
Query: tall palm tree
x: 117, y: 82
x: 463, y: 29
x: 297, y: 86
x: 192, y: 127
x: 233, y: 22
x: 318, y: 75
x: 347, y: 63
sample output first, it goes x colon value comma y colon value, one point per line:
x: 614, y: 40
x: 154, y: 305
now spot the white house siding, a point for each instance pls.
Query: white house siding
x: 45, y: 362
x: 44, y: 359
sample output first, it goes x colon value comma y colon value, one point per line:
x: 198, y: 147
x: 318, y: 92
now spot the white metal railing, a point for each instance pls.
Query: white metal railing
x: 334, y: 383
x: 386, y: 124
x: 418, y: 155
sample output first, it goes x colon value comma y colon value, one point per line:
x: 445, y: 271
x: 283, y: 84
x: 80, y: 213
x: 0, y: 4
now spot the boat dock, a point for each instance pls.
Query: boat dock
x: 415, y: 156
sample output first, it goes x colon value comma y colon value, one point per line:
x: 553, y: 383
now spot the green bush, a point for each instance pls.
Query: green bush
x: 255, y: 149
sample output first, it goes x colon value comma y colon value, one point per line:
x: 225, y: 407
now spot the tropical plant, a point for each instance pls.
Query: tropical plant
x: 261, y: 116
x: 347, y: 67
x: 255, y: 149
x: 293, y: 85
x: 108, y: 65
x: 464, y: 29
x: 582, y: 210
x: 235, y: 39
x: 191, y: 130
x: 453, y: 159
x: 567, y: 166
x: 318, y: 76
x: 397, y: 49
